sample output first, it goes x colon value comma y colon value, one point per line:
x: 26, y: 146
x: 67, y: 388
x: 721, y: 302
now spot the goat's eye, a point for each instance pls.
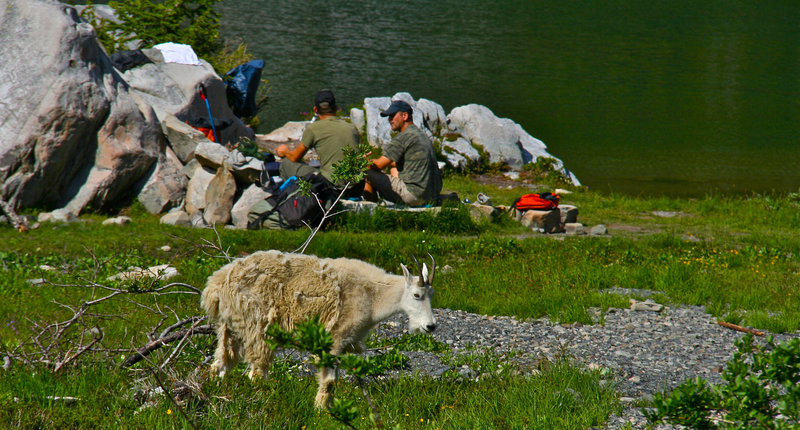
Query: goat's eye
x: 417, y: 296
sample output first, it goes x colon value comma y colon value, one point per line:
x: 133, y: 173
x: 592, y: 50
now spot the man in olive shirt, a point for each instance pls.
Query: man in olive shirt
x: 328, y: 136
x: 415, y: 178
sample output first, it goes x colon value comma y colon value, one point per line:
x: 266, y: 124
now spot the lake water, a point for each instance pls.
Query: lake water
x: 640, y: 97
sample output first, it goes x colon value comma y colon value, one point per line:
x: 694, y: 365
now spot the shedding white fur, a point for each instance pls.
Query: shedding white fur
x: 350, y: 297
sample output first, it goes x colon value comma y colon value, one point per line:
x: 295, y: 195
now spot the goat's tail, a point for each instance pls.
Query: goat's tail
x: 209, y: 300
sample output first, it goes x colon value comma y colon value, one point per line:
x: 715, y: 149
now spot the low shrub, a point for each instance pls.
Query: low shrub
x: 761, y: 390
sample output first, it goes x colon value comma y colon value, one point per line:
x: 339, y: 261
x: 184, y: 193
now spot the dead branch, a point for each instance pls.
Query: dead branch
x: 83, y: 349
x: 179, y: 347
x: 740, y: 328
x: 178, y: 324
x: 17, y: 221
x: 378, y: 420
x: 62, y: 342
x: 168, y: 393
x: 216, y: 246
x: 160, y: 342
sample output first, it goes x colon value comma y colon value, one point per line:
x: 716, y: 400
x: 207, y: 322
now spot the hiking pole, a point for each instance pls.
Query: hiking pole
x: 202, y: 90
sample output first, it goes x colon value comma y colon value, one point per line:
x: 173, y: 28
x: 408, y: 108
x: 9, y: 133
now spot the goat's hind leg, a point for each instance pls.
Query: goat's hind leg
x: 227, y: 353
x: 258, y: 354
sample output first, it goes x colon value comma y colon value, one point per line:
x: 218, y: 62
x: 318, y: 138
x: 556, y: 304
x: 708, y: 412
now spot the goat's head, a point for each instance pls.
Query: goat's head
x: 416, y: 301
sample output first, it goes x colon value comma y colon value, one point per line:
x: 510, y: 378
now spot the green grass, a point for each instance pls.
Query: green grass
x: 561, y: 396
x: 738, y: 256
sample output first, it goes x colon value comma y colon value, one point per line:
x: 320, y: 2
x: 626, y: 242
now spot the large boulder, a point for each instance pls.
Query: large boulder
x: 379, y: 132
x: 433, y: 115
x: 498, y: 136
x: 71, y: 134
x: 166, y: 186
x: 173, y: 89
x: 219, y: 196
x: 459, y: 152
x: 503, y: 139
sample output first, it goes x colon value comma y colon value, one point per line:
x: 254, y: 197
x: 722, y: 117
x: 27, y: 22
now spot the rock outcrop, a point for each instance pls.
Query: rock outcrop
x: 465, y: 135
x: 71, y: 134
x: 77, y: 133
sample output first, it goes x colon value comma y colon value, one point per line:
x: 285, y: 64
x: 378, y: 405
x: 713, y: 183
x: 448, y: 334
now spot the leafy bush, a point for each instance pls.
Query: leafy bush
x: 544, y: 168
x: 452, y: 218
x: 145, y: 23
x: 761, y: 391
x: 311, y: 336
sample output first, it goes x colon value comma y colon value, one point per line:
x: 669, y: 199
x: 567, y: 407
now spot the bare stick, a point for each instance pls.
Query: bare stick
x: 325, y: 216
x: 66, y: 361
x: 158, y: 343
x: 178, y: 348
x: 217, y: 246
x: 169, y: 329
x: 378, y: 420
x: 740, y: 328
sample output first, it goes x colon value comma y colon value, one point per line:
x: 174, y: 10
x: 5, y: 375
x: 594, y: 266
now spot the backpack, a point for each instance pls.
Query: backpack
x: 288, y: 208
x: 539, y: 202
x: 241, y: 86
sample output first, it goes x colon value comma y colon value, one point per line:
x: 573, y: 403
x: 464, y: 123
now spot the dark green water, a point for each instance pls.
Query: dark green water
x: 640, y: 97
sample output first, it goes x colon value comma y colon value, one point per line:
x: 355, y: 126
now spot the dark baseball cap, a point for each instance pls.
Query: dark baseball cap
x: 397, y: 106
x: 324, y: 96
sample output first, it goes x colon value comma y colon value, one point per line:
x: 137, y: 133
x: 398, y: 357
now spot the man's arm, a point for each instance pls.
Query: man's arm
x: 381, y: 163
x: 295, y: 155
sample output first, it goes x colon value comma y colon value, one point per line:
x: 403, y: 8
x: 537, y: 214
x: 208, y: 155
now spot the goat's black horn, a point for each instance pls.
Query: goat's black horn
x: 419, y: 270
x: 433, y: 269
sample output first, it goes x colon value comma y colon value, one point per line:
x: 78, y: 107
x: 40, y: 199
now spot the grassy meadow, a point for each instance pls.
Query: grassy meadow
x: 738, y: 256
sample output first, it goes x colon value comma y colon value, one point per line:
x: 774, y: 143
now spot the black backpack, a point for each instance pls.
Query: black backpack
x: 289, y: 208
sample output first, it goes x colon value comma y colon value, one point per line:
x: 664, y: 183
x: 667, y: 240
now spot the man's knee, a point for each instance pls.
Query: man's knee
x: 291, y: 168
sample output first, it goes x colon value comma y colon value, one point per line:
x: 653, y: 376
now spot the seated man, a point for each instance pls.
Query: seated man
x: 415, y: 178
x: 329, y: 135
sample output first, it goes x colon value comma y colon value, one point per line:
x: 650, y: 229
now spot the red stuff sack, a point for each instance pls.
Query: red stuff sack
x: 538, y: 202
x: 208, y: 132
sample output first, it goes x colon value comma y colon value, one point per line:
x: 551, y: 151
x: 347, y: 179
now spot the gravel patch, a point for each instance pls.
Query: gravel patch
x: 643, y: 351
x: 646, y: 351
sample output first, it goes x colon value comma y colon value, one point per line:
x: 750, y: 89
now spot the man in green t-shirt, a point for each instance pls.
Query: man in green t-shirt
x: 414, y: 177
x: 328, y: 136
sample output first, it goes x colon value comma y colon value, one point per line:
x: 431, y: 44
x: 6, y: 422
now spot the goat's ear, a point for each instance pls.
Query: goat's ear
x: 423, y: 275
x: 409, y: 278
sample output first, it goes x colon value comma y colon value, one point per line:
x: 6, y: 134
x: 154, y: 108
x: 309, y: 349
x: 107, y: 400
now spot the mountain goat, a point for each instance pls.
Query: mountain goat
x: 350, y: 297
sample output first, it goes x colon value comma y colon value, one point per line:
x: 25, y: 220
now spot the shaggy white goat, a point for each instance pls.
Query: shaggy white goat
x: 249, y: 294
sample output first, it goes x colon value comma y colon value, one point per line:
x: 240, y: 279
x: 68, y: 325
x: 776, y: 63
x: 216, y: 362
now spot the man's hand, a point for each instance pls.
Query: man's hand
x: 281, y: 150
x: 295, y: 155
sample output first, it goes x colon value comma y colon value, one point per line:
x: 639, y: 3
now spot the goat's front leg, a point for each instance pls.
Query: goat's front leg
x: 326, y: 377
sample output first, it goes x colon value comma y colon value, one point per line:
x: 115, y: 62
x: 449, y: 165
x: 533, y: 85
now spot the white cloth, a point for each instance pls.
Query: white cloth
x: 178, y: 53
